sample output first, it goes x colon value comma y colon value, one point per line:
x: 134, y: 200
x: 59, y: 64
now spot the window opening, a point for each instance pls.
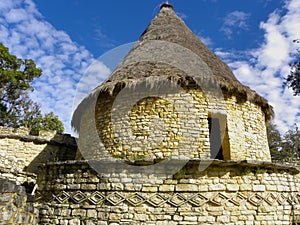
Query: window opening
x: 216, y: 149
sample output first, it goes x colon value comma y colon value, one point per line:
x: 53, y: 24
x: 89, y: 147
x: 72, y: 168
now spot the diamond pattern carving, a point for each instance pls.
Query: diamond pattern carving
x: 97, y: 198
x: 238, y: 199
x: 198, y: 200
x: 62, y: 197
x: 78, y: 197
x: 297, y: 198
x: 136, y: 199
x: 270, y: 199
x: 115, y: 198
x: 290, y: 199
x: 255, y: 199
x: 219, y: 199
x: 175, y: 199
x: 156, y: 200
x: 281, y: 199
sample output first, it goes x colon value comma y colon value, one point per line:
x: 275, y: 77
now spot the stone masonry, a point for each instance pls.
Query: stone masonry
x: 223, y: 193
x: 170, y: 138
x: 106, y: 192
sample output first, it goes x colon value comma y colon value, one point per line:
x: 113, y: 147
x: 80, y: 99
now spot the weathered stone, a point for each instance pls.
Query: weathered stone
x: 232, y: 187
x: 5, y: 216
x: 5, y: 198
x: 91, y: 213
x: 166, y: 188
x: 186, y: 187
x: 149, y: 189
x: 79, y: 212
x: 74, y: 222
x: 259, y: 188
x: 217, y: 187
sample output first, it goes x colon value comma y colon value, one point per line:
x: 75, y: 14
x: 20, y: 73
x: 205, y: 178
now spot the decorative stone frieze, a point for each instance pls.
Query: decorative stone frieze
x: 192, y: 196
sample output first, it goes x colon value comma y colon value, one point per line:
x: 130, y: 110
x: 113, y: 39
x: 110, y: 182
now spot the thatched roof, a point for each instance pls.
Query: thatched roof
x: 169, y: 49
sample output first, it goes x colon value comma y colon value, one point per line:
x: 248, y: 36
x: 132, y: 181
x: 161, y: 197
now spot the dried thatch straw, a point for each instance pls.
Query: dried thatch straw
x: 165, y: 43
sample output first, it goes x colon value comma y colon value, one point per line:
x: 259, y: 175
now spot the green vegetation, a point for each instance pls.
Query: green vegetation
x: 286, y: 146
x: 293, y: 79
x: 16, y: 108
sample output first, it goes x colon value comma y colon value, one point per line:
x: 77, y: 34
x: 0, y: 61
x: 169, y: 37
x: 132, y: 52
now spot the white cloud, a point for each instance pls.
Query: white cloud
x: 24, y: 31
x: 235, y: 20
x: 269, y: 63
x: 95, y: 74
x: 182, y: 15
x: 206, y: 40
x: 16, y: 15
x: 8, y: 4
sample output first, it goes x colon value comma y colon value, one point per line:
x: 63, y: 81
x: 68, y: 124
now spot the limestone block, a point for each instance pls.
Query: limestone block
x: 217, y: 187
x: 74, y: 222
x: 166, y: 188
x: 246, y: 187
x: 232, y: 187
x: 149, y: 189
x: 91, y: 213
x: 190, y: 218
x: 223, y: 219
x: 203, y: 188
x: 258, y: 188
x: 79, y: 212
x: 186, y: 187
x: 115, y: 216
x: 88, y: 186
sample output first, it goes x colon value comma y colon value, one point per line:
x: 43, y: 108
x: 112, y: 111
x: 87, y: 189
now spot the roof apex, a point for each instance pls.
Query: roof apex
x: 167, y: 6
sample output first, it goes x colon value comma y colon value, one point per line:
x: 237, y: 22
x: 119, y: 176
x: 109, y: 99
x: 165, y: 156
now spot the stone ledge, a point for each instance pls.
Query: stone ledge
x: 199, y: 163
x: 59, y: 139
x: 17, y: 172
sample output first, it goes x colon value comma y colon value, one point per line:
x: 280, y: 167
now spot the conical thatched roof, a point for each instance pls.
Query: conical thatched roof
x: 164, y: 43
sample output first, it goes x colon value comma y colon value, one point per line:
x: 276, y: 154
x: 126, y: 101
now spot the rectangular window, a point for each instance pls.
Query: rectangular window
x: 216, y: 150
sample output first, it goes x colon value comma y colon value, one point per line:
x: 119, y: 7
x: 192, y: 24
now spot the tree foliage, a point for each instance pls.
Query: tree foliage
x: 286, y: 146
x: 16, y: 108
x: 274, y: 140
x: 293, y: 79
x: 291, y: 142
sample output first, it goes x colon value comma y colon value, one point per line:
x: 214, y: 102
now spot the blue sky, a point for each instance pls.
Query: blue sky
x: 65, y: 38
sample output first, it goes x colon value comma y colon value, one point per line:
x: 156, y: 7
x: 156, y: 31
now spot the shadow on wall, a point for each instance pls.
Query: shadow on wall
x: 61, y: 147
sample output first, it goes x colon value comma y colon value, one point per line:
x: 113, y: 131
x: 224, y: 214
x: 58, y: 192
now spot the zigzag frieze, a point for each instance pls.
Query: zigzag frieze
x: 174, y: 199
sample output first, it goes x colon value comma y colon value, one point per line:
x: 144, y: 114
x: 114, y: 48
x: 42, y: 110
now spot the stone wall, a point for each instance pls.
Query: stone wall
x: 203, y: 192
x: 174, y: 125
x: 247, y: 131
x: 10, y: 170
x: 15, y: 187
x: 28, y: 151
x: 14, y: 205
x: 20, y: 156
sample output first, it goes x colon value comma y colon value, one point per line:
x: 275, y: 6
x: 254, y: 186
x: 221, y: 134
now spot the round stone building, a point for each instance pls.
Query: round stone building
x: 172, y: 98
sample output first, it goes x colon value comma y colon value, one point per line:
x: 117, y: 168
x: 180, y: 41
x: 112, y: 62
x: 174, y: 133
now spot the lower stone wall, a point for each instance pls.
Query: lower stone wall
x: 10, y: 169
x: 202, y: 192
x: 15, y: 188
x: 14, y: 207
x: 28, y: 151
